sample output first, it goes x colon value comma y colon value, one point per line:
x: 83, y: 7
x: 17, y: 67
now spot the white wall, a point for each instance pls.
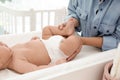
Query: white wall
x: 35, y: 5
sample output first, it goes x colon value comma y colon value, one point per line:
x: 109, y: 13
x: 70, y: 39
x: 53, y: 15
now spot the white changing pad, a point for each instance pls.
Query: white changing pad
x: 5, y: 74
x: 8, y: 74
x: 87, y: 68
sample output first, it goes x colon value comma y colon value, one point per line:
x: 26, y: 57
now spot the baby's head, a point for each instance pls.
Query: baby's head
x: 5, y: 54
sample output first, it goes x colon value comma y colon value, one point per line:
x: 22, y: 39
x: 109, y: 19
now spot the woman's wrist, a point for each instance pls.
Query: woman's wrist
x: 92, y: 41
x: 82, y: 40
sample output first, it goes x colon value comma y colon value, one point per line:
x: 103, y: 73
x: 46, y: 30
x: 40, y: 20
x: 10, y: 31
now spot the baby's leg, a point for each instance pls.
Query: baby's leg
x: 71, y: 45
x: 49, y: 31
x: 46, y: 33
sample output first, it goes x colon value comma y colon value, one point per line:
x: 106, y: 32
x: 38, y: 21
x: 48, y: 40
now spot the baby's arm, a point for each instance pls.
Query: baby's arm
x: 49, y: 31
x: 22, y: 66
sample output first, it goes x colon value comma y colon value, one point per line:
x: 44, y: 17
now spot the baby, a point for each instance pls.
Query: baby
x: 38, y: 53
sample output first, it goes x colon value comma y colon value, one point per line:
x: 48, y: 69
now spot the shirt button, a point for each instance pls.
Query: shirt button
x: 101, y: 9
x: 95, y: 27
x: 107, y: 31
x: 102, y: 0
x: 97, y: 11
x: 80, y: 14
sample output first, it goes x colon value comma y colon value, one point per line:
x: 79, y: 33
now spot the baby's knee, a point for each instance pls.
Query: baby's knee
x: 74, y: 38
x: 77, y: 41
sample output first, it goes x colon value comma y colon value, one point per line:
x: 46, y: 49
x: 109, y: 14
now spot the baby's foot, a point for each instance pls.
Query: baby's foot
x: 69, y: 29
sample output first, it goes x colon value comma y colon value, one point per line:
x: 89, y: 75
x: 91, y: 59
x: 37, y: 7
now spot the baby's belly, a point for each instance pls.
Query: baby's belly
x: 34, y: 51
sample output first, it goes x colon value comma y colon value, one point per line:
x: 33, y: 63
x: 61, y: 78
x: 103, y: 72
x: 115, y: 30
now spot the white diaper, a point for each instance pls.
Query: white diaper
x: 52, y: 46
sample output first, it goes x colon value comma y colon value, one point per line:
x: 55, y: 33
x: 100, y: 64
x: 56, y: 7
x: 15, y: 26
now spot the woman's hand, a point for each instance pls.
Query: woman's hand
x: 72, y: 56
x: 75, y: 53
x: 67, y: 27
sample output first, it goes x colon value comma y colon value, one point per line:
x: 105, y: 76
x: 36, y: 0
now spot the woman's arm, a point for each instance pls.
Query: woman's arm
x: 92, y: 41
x: 106, y: 42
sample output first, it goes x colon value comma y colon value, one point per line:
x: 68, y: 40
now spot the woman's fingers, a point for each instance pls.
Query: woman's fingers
x: 71, y: 57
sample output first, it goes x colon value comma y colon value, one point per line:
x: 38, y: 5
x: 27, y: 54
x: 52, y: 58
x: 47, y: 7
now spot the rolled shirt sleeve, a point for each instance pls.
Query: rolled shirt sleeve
x: 109, y: 42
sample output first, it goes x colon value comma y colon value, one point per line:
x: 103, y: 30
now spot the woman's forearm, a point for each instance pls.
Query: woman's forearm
x: 92, y: 41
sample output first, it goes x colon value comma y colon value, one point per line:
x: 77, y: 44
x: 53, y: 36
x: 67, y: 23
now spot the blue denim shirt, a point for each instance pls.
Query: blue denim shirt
x: 97, y: 19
